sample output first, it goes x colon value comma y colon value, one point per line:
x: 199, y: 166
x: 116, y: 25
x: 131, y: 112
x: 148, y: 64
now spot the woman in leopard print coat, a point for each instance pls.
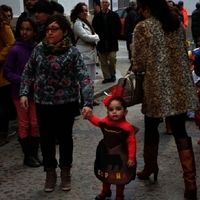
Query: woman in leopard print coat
x: 159, y: 49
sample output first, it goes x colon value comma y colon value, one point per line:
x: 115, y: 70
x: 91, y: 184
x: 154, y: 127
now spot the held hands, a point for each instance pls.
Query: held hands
x: 24, y: 102
x: 130, y: 163
x: 87, y: 112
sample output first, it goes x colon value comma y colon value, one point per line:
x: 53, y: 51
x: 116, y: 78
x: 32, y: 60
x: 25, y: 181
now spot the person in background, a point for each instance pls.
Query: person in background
x: 6, y: 42
x: 97, y: 6
x: 184, y: 13
x: 57, y: 69
x: 130, y: 19
x: 43, y: 10
x: 175, y: 7
x: 13, y: 113
x: 29, y: 12
x: 168, y: 86
x: 57, y: 8
x: 8, y: 11
x: 107, y: 25
x: 28, y: 128
x: 195, y: 26
x: 86, y: 39
x: 118, y: 140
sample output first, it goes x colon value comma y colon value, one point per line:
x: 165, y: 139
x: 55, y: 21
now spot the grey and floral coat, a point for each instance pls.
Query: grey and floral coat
x: 57, y: 78
x: 168, y: 84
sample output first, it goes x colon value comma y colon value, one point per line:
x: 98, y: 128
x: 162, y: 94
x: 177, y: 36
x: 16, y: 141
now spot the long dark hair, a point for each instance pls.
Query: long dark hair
x: 161, y: 11
x: 64, y: 24
x: 74, y: 15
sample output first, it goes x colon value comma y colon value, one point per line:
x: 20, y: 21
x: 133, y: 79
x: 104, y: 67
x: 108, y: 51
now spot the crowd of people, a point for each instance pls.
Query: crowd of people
x: 48, y: 68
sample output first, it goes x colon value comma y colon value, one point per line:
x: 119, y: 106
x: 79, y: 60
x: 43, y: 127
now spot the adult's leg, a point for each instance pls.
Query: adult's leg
x: 46, y: 115
x: 128, y: 42
x: 64, y: 122
x: 112, y: 64
x: 151, y: 141
x: 186, y: 154
x: 105, y: 66
x: 4, y: 114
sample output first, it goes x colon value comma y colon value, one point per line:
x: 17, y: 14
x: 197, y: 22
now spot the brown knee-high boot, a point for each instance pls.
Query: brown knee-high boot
x: 150, y: 160
x: 186, y: 155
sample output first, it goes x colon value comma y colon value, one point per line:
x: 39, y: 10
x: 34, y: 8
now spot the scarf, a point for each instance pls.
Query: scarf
x: 58, y: 48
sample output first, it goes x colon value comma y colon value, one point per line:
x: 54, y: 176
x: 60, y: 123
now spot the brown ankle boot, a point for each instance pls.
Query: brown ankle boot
x: 51, y: 178
x: 186, y: 155
x: 65, y: 178
x: 151, y: 166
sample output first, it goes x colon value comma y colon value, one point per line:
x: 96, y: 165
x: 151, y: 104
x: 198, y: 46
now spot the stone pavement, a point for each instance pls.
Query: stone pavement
x: 19, y: 182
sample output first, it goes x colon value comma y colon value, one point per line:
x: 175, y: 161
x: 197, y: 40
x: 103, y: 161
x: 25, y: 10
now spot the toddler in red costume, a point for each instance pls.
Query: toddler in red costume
x: 116, y: 153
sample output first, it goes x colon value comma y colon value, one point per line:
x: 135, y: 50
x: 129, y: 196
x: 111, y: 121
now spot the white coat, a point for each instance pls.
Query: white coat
x: 85, y: 41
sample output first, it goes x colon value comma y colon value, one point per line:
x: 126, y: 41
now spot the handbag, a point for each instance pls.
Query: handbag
x: 133, y: 89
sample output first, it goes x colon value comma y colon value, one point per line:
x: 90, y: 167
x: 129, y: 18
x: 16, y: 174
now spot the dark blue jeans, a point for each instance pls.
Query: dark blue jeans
x: 5, y: 95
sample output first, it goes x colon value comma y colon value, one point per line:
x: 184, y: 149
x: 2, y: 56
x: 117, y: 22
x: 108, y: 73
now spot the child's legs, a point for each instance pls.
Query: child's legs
x: 106, y: 187
x: 34, y: 130
x: 120, y: 189
x: 23, y: 120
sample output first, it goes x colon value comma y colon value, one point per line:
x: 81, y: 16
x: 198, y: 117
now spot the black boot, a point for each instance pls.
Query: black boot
x: 186, y: 155
x: 35, y: 142
x: 26, y: 148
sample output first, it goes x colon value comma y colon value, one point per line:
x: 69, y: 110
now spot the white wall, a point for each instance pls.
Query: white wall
x: 69, y: 4
x: 16, y: 5
x: 190, y: 5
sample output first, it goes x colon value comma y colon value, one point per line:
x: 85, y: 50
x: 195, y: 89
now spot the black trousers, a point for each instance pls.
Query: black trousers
x: 5, y: 97
x: 177, y: 123
x: 56, y: 121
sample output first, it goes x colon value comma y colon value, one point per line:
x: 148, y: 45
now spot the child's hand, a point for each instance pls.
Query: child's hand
x: 86, y: 112
x: 130, y: 163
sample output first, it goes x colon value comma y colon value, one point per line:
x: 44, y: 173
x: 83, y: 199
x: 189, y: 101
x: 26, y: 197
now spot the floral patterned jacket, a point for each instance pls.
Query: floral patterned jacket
x: 168, y: 84
x: 57, y: 77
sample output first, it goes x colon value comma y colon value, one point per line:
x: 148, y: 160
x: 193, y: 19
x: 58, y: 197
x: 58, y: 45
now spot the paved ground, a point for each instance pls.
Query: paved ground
x: 18, y: 182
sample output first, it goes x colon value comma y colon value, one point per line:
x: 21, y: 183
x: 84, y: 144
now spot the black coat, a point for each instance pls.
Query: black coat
x: 196, y: 22
x: 108, y: 31
x: 130, y: 19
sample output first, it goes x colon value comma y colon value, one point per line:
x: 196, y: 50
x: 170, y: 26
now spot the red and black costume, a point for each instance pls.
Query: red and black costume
x: 114, y: 150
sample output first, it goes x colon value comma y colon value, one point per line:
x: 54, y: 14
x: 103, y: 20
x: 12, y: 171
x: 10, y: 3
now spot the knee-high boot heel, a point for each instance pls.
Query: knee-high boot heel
x: 186, y: 155
x: 150, y: 160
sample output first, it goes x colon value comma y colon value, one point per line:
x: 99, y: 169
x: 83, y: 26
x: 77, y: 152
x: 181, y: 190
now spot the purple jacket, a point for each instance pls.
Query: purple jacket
x: 14, y: 65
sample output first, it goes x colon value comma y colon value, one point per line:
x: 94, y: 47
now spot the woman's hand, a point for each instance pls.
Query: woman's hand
x: 130, y: 163
x: 24, y: 102
x: 87, y: 112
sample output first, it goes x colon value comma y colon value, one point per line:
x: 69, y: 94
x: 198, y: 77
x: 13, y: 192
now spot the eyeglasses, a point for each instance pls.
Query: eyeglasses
x: 26, y: 29
x: 52, y: 29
